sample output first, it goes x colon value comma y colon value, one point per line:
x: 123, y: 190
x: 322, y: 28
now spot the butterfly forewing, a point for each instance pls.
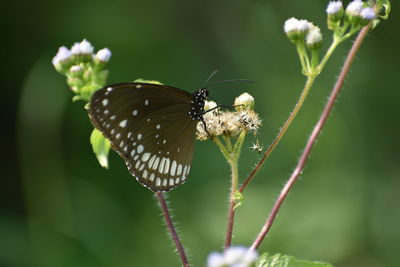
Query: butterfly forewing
x: 149, y: 126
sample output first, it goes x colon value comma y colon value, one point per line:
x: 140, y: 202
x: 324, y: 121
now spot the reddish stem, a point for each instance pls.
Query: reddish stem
x: 311, y: 141
x: 171, y: 229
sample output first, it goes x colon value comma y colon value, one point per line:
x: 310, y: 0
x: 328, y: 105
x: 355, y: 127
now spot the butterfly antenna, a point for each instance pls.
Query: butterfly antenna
x: 229, y: 81
x: 209, y: 78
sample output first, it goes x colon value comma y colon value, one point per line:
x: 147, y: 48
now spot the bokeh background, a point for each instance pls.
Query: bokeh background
x: 59, y: 208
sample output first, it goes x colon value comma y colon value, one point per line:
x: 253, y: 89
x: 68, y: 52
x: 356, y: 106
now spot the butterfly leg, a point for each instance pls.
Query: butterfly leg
x: 205, y: 128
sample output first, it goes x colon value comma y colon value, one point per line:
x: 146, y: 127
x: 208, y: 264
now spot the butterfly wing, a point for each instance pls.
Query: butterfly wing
x: 149, y: 126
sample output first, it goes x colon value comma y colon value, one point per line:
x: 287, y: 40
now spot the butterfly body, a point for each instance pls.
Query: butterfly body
x: 152, y: 127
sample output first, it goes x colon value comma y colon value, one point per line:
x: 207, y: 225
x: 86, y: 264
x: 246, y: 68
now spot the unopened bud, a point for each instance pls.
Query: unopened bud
x: 244, y: 101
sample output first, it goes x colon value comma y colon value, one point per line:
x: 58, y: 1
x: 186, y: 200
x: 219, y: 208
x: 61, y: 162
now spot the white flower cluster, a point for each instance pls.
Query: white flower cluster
x: 232, y: 257
x: 231, y: 123
x: 359, y: 13
x: 300, y: 31
x: 82, y: 51
x: 334, y: 7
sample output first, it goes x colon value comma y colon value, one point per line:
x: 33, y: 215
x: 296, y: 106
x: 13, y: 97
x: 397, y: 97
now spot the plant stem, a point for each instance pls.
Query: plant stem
x: 233, y: 162
x: 171, y: 229
x: 282, y: 131
x: 311, y: 141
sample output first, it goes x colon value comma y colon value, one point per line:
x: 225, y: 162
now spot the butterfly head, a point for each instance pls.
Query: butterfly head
x: 197, y: 104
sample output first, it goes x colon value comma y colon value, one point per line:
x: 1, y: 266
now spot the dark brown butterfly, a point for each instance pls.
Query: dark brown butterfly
x: 152, y: 127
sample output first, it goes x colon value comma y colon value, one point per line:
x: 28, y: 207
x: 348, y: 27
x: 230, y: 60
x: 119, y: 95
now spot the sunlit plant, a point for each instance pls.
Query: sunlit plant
x: 226, y: 127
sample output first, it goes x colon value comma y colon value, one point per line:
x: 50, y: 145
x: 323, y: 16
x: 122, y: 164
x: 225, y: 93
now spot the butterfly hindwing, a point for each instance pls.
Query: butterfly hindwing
x: 149, y: 126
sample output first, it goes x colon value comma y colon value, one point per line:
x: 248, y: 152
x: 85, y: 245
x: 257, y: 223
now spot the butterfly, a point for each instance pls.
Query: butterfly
x: 152, y: 127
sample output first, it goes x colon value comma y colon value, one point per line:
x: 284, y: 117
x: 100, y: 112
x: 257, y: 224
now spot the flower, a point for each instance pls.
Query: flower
x: 244, y: 101
x: 249, y: 120
x: 296, y: 29
x: 334, y: 7
x: 103, y: 55
x: 62, y: 55
x: 354, y: 8
x: 290, y: 25
x: 314, y: 38
x: 232, y: 257
x: 368, y: 13
x: 83, y: 47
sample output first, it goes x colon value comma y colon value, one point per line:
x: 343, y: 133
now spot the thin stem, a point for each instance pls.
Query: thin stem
x: 282, y: 131
x: 171, y: 229
x: 221, y: 147
x: 233, y: 162
x: 311, y: 141
x: 328, y: 54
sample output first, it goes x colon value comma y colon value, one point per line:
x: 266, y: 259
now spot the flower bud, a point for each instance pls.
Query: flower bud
x: 76, y: 71
x: 353, y: 11
x: 62, y: 59
x: 209, y: 105
x: 296, y: 29
x: 82, y: 51
x: 102, y: 56
x: 335, y: 14
x: 244, y: 101
x: 314, y: 38
x: 367, y: 14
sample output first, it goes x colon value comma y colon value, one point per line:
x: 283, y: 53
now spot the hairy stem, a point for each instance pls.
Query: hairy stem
x: 282, y: 131
x: 311, y: 141
x: 233, y: 162
x: 171, y: 229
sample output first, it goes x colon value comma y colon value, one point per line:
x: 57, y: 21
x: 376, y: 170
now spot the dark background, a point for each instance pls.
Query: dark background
x: 59, y: 208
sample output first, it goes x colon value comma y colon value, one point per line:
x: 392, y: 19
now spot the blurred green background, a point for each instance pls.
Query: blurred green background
x: 59, y: 208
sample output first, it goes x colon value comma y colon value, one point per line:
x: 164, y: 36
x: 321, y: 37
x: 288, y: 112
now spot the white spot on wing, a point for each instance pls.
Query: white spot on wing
x: 166, y: 166
x: 135, y: 112
x: 139, y: 136
x: 123, y: 123
x: 155, y: 165
x: 140, y: 148
x: 152, y: 177
x: 105, y: 102
x: 151, y: 161
x: 146, y: 102
x: 173, y: 168
x: 145, y: 156
x: 171, y: 182
x: 158, y: 182
x: 179, y: 172
x: 158, y: 126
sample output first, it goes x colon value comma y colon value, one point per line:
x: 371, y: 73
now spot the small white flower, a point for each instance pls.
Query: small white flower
x: 215, y: 259
x: 75, y: 69
x: 62, y: 55
x: 83, y: 47
x: 209, y: 105
x: 245, y: 100
x: 86, y: 47
x: 334, y: 7
x: 232, y: 257
x: 354, y: 8
x: 103, y: 55
x: 76, y: 49
x: 303, y: 25
x: 314, y: 36
x: 234, y: 254
x: 291, y: 25
x: 368, y: 13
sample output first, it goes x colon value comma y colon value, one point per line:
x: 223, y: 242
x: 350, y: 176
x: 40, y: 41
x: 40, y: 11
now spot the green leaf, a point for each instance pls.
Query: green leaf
x: 279, y: 260
x: 101, y: 147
